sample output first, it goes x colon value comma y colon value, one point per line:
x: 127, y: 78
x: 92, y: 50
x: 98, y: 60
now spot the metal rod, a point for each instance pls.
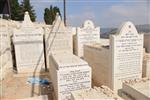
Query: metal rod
x: 65, y: 12
x: 9, y: 9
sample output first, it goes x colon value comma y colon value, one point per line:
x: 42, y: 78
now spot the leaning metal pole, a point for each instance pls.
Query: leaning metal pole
x: 9, y: 8
x: 65, y: 12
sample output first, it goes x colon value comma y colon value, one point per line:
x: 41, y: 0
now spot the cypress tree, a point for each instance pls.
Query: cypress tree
x: 16, y: 10
x: 26, y: 6
x: 50, y: 14
x: 46, y: 16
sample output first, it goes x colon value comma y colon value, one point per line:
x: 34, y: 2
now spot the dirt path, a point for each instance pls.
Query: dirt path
x: 15, y: 87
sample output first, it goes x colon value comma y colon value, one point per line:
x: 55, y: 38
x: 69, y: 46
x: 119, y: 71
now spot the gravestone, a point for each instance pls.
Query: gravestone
x: 68, y: 73
x: 5, y: 49
x: 58, y: 38
x: 84, y: 35
x: 126, y: 55
x: 28, y: 43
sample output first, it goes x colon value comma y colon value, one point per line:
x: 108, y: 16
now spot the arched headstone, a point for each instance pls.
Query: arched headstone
x: 85, y: 35
x: 126, y: 55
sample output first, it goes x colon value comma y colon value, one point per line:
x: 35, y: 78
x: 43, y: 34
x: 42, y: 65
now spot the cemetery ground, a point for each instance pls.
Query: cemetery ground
x: 16, y: 86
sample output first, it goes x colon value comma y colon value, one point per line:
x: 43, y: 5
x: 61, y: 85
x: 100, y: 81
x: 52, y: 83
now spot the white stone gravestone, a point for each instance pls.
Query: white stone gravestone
x: 28, y: 43
x: 5, y: 49
x: 68, y: 73
x: 126, y: 48
x: 87, y: 34
x: 58, y: 38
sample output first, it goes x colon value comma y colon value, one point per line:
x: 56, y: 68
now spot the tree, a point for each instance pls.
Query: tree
x: 50, y: 14
x: 16, y: 10
x: 26, y: 6
x: 46, y: 16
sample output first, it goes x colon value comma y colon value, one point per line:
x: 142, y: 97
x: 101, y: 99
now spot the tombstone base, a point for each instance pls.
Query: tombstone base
x: 32, y: 70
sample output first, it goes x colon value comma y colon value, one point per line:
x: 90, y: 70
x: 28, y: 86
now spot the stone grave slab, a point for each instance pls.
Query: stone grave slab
x: 96, y: 93
x: 98, y: 58
x: 68, y: 73
x: 137, y: 89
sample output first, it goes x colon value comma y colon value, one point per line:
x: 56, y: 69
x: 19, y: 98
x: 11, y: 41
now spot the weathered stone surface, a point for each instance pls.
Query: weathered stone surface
x: 87, y: 34
x: 98, y: 58
x: 42, y: 97
x: 137, y: 89
x: 147, y: 42
x: 146, y: 65
x: 5, y: 49
x: 29, y: 50
x: 96, y: 93
x: 68, y: 73
x: 126, y: 55
x: 58, y: 38
x: 104, y: 42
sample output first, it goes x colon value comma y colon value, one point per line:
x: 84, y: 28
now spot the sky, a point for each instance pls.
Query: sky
x: 104, y: 13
